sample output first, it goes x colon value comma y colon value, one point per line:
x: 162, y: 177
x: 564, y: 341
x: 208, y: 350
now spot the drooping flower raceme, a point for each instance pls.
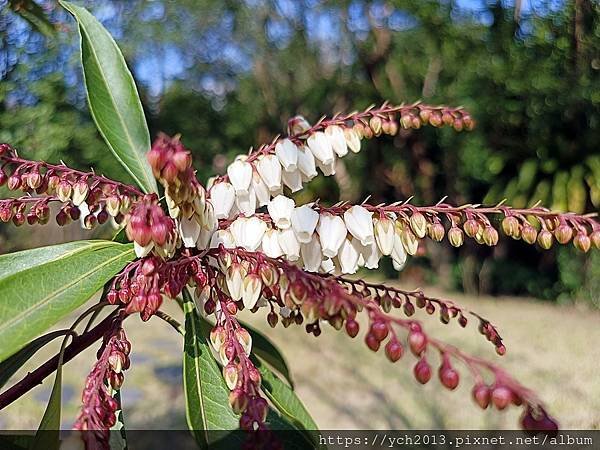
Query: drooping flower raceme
x: 244, y: 243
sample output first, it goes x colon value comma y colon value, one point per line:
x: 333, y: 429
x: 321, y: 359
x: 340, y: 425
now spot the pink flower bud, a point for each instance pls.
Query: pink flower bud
x: 422, y: 371
x: 417, y: 342
x: 14, y: 182
x: 481, y: 395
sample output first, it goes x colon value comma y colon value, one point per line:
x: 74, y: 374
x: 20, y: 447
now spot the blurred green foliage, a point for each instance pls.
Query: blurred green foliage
x: 227, y: 75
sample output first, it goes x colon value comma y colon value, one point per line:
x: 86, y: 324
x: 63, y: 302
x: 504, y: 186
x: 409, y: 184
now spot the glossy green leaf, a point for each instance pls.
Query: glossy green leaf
x: 11, y: 365
x: 118, y: 436
x: 39, y: 287
x: 35, y: 15
x: 113, y: 97
x: 48, y: 435
x: 284, y: 398
x: 268, y: 352
x: 206, y: 395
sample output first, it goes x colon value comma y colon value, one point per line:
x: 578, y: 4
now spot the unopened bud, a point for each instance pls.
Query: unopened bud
x: 595, y: 238
x: 510, y: 226
x: 528, y: 234
x: 230, y: 373
x: 238, y: 400
x: 471, y: 228
x: 80, y: 192
x: 582, y: 242
x: 490, y: 236
x: 375, y: 124
x: 417, y: 342
x: 544, y: 239
x: 436, y: 231
x: 406, y: 121
x: 14, y: 182
x: 34, y: 180
x: 394, y: 350
x: 481, y: 395
x: 418, y: 223
x: 563, y: 233
x: 244, y: 339
x: 422, y: 371
x: 455, y: 236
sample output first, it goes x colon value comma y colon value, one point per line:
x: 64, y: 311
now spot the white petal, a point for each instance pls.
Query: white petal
x: 238, y: 231
x: 304, y: 222
x: 222, y: 237
x: 320, y: 147
x: 280, y: 209
x: 384, y: 235
x: 293, y: 180
x: 287, y: 152
x: 369, y: 254
x: 289, y: 244
x: 222, y: 197
x: 359, y: 222
x: 332, y: 233
x: 348, y: 257
x: 189, y: 230
x: 398, y: 252
x: 327, y: 169
x: 240, y: 175
x: 269, y: 169
x: 337, y: 139
x: 260, y: 190
x: 140, y: 251
x: 255, y: 230
x: 270, y: 244
x: 352, y: 139
x: 327, y: 266
x: 246, y: 203
x: 306, y: 163
x: 312, y: 255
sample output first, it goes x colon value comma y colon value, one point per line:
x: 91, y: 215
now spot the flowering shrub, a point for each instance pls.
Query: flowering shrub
x: 238, y: 243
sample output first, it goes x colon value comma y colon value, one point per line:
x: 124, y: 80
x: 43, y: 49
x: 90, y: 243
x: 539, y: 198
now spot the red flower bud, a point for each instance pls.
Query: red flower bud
x: 372, y: 342
x: 481, y: 395
x: 417, y: 342
x: 394, y: 350
x: 448, y: 376
x: 422, y: 371
x: 501, y: 397
x: 352, y: 327
x: 379, y: 330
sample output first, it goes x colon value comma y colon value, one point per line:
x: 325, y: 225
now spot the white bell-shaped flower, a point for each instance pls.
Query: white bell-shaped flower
x: 352, y: 139
x: 260, y: 190
x: 332, y: 233
x: 235, y: 280
x: 269, y: 168
x: 280, y: 209
x: 398, y: 252
x: 222, y: 237
x: 289, y: 244
x: 320, y: 147
x: 327, y: 169
x: 248, y: 232
x: 246, y: 203
x: 337, y: 139
x: 311, y: 254
x: 287, y: 153
x: 293, y: 180
x: 384, y: 234
x: 327, y: 266
x: 304, y: 223
x: 251, y: 290
x: 189, y: 230
x: 270, y: 244
x: 369, y: 254
x: 306, y: 163
x: 240, y: 176
x: 359, y: 222
x: 348, y: 257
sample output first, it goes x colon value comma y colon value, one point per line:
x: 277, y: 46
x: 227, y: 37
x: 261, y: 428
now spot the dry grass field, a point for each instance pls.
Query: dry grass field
x: 551, y: 349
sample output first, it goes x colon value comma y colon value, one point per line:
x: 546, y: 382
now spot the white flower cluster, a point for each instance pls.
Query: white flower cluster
x: 253, y: 184
x: 321, y: 242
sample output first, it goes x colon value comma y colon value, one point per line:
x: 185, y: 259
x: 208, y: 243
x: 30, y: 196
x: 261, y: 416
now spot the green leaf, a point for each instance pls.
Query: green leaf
x: 284, y: 398
x: 35, y: 15
x: 39, y: 287
x: 206, y: 395
x: 9, y: 367
x: 288, y: 434
x: 47, y: 436
x: 113, y: 97
x: 118, y: 436
x: 268, y: 352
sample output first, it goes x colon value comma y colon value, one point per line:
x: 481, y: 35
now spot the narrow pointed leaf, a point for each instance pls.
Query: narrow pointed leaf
x: 11, y: 365
x: 47, y: 436
x: 39, y: 287
x: 113, y: 98
x: 284, y: 398
x: 206, y: 395
x: 35, y: 15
